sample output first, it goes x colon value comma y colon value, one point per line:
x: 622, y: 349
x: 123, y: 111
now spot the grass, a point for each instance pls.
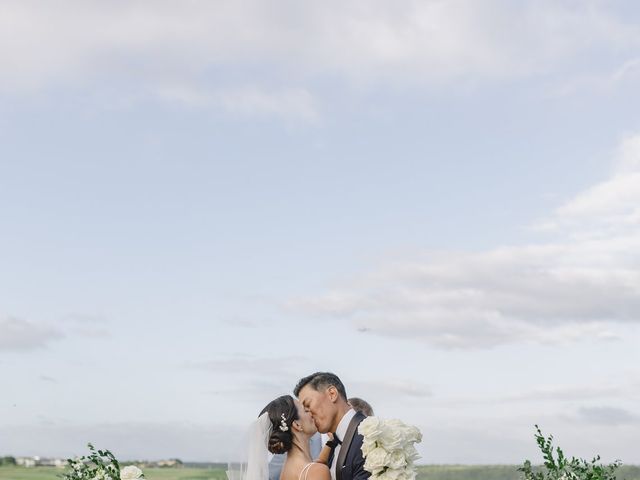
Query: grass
x: 428, y: 472
x: 21, y: 473
x: 497, y: 472
x: 468, y: 472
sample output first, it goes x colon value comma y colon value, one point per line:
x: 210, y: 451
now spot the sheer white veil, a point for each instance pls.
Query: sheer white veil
x: 253, y: 459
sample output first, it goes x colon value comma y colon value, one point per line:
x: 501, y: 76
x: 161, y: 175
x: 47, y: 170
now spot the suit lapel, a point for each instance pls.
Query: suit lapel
x: 346, y: 443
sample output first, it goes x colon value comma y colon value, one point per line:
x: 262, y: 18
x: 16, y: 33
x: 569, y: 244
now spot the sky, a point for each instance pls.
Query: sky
x: 202, y: 202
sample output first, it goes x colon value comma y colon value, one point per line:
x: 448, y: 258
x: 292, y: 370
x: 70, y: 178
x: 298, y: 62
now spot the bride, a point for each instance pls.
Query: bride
x: 283, y: 427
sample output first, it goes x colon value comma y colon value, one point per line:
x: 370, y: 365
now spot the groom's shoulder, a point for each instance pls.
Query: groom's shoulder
x: 359, y: 417
x: 357, y: 420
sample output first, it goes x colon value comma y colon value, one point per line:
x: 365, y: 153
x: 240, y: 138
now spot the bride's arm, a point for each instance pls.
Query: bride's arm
x: 325, y: 453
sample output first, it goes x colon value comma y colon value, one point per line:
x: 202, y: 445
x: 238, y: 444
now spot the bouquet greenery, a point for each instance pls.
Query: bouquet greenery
x: 99, y: 465
x: 559, y: 467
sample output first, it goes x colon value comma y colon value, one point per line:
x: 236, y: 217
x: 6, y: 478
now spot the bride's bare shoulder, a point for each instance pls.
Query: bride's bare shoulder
x: 318, y: 471
x: 292, y: 469
x: 313, y: 471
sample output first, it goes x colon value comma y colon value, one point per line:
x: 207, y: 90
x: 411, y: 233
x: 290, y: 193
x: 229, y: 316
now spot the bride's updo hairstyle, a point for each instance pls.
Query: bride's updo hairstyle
x: 282, y: 413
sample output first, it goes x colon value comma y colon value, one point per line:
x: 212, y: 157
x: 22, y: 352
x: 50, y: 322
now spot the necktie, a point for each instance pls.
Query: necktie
x: 332, y: 456
x: 335, y: 442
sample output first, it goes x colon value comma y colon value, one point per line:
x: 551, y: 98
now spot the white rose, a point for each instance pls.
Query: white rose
x: 370, y: 428
x: 376, y: 461
x: 130, y: 472
x: 367, y: 446
x: 392, y: 437
x: 413, y: 434
x: 388, y: 475
x: 409, y: 432
x: 409, y: 475
x: 396, y: 474
x: 410, y: 453
x: 397, y: 460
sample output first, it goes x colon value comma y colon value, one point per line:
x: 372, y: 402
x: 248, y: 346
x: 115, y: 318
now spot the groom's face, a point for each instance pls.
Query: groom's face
x: 321, y: 405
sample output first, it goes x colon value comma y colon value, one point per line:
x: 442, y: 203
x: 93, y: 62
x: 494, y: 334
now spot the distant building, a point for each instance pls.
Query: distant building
x: 51, y: 462
x: 27, y: 461
x: 36, y: 461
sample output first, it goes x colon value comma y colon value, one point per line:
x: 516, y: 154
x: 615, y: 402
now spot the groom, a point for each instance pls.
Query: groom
x: 323, y: 395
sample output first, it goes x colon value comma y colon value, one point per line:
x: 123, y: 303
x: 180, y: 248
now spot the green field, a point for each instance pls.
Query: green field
x: 430, y: 472
x: 51, y: 473
x: 496, y: 472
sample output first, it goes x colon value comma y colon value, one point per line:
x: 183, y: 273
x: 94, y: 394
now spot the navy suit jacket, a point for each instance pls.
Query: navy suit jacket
x: 350, y: 462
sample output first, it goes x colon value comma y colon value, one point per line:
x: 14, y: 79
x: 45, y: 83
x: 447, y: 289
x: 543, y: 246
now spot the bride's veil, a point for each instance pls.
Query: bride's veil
x: 252, y: 462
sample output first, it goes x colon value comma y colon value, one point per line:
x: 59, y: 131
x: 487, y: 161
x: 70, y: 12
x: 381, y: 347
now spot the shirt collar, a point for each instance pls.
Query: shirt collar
x: 344, y: 423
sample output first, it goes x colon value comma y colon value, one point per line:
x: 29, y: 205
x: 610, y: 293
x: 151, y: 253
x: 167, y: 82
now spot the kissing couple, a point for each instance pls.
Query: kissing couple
x: 287, y: 424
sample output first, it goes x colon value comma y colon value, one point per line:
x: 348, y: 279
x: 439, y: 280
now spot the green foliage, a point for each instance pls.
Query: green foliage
x: 558, y: 467
x: 7, y: 460
x: 98, y: 465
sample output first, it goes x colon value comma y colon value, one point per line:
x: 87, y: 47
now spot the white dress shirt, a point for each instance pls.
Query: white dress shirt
x: 341, y: 432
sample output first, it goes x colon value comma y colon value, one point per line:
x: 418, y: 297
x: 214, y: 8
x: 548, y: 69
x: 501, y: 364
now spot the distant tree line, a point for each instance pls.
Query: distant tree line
x: 8, y: 460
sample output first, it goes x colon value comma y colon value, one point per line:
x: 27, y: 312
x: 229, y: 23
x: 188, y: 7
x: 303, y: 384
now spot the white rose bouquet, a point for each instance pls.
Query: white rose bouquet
x: 99, y: 465
x: 389, y: 448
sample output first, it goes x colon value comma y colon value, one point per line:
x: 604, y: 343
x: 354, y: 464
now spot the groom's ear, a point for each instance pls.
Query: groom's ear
x: 333, y: 393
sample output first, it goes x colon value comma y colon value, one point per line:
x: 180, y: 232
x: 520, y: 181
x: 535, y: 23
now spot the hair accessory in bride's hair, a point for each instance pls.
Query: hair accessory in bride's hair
x: 283, y: 423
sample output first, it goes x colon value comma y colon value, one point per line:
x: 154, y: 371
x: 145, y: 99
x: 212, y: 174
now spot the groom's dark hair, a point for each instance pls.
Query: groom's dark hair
x: 322, y: 380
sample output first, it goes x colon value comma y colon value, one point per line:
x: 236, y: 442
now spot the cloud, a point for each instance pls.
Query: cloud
x: 87, y: 325
x: 21, y: 335
x: 292, y: 103
x: 566, y: 393
x: 17, y: 334
x: 249, y: 390
x: 81, y: 42
x: 249, y: 364
x: 128, y: 441
x: 84, y: 319
x: 550, y: 394
x: 609, y: 416
x: 509, y: 439
x: 612, y: 205
x: 251, y: 378
x: 606, y: 82
x: 242, y: 322
x: 582, y: 283
x: 475, y: 443
x: 389, y: 389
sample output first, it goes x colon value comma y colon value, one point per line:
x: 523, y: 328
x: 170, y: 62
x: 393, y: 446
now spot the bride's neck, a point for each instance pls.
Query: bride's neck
x: 302, y: 447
